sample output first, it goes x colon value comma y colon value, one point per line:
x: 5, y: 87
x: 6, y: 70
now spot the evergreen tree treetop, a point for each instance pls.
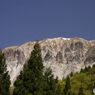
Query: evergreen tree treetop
x: 30, y: 81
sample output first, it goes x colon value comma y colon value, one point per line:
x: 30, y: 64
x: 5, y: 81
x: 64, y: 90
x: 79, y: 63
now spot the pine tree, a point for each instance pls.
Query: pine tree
x: 30, y: 81
x: 80, y: 91
x: 4, y: 77
x: 67, y: 87
x: 58, y: 89
x: 50, y: 86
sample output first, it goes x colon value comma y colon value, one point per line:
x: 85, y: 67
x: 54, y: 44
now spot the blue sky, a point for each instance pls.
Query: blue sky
x: 27, y: 20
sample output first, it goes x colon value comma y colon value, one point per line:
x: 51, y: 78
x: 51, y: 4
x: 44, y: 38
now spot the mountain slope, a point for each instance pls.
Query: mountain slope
x: 62, y: 55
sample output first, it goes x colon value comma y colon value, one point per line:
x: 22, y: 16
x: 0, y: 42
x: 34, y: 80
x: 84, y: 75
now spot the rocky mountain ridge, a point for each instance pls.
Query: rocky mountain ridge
x: 62, y: 55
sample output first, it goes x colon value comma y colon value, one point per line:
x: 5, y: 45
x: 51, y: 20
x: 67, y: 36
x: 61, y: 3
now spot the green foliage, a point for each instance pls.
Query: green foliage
x: 80, y: 91
x: 30, y: 80
x: 4, y: 77
x: 50, y: 84
x: 67, y: 88
x: 58, y: 90
x: 81, y: 83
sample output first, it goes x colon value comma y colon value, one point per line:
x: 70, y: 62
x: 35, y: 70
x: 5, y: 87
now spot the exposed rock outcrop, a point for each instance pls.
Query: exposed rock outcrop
x: 62, y: 55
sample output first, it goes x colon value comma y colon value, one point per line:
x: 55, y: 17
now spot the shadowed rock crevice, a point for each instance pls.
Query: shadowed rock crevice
x: 59, y: 57
x: 48, y: 56
x: 90, y: 55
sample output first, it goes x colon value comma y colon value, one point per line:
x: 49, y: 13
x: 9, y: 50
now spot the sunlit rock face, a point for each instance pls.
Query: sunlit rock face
x: 62, y: 55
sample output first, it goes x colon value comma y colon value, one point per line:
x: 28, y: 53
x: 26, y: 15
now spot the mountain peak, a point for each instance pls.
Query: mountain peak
x: 62, y: 55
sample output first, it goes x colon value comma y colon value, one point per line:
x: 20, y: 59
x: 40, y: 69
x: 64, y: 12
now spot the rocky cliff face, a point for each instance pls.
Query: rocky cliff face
x: 62, y: 55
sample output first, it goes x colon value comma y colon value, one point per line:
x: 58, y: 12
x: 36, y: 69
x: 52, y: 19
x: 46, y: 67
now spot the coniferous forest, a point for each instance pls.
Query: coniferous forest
x: 36, y: 80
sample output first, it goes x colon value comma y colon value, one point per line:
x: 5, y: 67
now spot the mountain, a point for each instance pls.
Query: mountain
x: 62, y: 55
